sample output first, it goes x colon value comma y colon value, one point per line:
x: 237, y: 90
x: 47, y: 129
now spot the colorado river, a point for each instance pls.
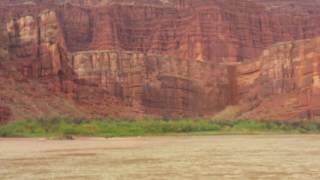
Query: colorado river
x: 162, y: 158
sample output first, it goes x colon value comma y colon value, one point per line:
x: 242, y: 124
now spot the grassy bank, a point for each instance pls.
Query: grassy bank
x: 63, y: 127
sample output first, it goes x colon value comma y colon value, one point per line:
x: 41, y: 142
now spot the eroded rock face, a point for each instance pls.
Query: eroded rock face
x: 5, y: 114
x: 215, y: 31
x: 38, y: 49
x: 284, y: 81
x: 170, y: 58
x: 156, y: 84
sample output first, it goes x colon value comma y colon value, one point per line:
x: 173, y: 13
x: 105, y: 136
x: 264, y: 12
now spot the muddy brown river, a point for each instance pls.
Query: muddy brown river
x: 161, y: 158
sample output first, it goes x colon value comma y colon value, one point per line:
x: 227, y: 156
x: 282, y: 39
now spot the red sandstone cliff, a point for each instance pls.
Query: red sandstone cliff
x: 283, y: 82
x: 167, y: 58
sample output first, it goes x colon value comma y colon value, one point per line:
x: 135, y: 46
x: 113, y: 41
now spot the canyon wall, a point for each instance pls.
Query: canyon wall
x: 154, y: 84
x: 284, y: 81
x: 4, y: 114
x: 215, y: 31
x: 175, y: 58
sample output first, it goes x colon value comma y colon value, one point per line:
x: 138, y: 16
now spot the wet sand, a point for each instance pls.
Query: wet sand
x: 162, y: 158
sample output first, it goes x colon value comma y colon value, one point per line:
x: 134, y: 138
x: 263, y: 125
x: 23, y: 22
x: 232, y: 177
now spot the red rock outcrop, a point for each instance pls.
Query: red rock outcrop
x: 5, y: 114
x: 168, y: 57
x: 154, y: 84
x: 284, y: 82
x: 215, y: 31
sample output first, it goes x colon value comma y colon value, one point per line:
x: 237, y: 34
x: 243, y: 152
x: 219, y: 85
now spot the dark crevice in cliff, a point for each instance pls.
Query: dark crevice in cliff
x: 38, y: 60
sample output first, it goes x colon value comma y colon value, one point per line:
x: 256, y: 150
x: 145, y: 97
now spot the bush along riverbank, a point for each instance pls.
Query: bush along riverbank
x: 113, y: 127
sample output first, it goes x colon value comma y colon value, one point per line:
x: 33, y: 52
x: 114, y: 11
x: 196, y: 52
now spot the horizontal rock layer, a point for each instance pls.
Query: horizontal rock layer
x: 214, y: 31
x: 166, y: 58
x: 154, y: 84
x: 284, y: 81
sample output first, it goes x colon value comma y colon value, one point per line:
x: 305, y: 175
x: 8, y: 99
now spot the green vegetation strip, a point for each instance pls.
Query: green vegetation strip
x: 64, y: 127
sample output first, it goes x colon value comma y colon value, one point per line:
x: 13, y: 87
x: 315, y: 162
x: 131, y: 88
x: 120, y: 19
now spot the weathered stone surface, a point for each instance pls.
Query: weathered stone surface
x: 37, y: 49
x: 215, y: 31
x: 154, y: 84
x: 284, y: 82
x: 5, y: 114
x: 165, y: 58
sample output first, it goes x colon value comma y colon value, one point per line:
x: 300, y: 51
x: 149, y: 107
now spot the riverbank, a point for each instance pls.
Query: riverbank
x: 109, y: 127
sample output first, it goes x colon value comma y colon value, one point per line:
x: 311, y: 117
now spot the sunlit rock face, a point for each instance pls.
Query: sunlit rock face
x: 170, y: 58
x: 38, y: 50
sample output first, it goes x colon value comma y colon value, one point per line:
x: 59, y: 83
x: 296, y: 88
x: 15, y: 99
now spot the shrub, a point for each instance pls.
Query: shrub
x: 109, y: 127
